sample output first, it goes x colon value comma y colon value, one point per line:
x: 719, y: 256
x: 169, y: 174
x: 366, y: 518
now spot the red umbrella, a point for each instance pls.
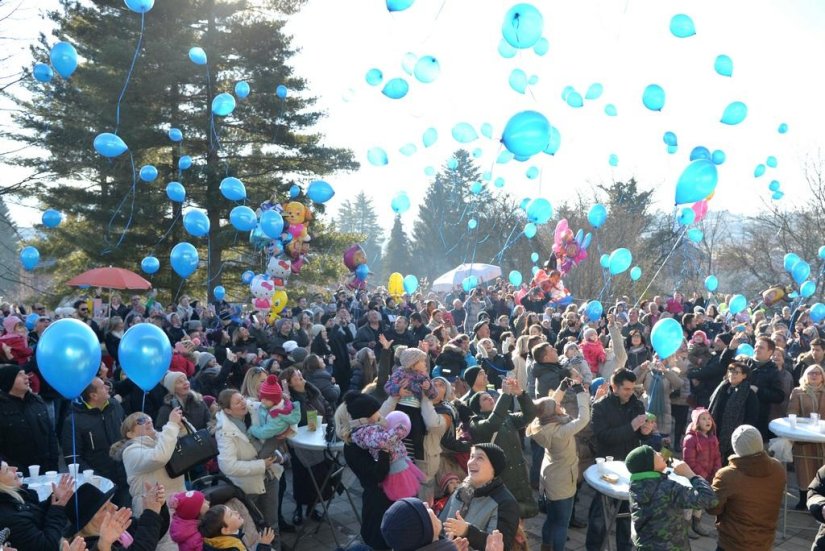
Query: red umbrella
x: 110, y: 278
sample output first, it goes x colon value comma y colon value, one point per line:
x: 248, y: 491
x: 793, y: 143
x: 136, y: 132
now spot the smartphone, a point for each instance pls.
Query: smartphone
x: 739, y: 328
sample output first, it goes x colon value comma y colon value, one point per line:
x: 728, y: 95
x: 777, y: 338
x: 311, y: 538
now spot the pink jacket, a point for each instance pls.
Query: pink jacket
x: 185, y: 533
x: 594, y: 355
x: 701, y: 453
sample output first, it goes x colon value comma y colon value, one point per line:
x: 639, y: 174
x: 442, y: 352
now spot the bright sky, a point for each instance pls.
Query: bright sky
x: 777, y: 52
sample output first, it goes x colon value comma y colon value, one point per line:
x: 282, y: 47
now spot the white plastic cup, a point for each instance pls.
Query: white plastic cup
x: 814, y: 418
x: 792, y: 420
x: 34, y: 471
x: 87, y: 474
x: 95, y: 480
x: 609, y: 458
x: 73, y: 468
x: 600, y: 464
x: 51, y: 476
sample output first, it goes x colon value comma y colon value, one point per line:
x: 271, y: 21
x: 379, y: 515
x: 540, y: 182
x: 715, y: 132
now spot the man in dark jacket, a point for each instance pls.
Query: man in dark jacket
x: 765, y: 382
x: 417, y: 328
x: 618, y: 422
x: 399, y: 334
x: 705, y: 379
x: 26, y: 433
x: 816, y: 505
x: 367, y: 334
x: 97, y: 421
x: 547, y: 372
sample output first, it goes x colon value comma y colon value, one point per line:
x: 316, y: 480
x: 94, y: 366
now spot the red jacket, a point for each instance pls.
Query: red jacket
x: 594, y: 355
x: 181, y: 364
x: 701, y: 453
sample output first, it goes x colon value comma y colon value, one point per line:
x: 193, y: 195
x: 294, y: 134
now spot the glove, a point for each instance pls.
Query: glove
x: 577, y: 388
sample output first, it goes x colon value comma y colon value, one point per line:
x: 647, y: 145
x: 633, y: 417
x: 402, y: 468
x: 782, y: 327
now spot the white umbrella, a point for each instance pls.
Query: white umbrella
x: 446, y: 282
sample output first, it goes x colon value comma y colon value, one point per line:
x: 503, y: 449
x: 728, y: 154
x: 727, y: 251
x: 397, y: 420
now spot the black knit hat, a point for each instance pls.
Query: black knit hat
x: 475, y: 402
x: 360, y: 405
x: 495, y: 455
x: 90, y: 499
x: 8, y: 373
x: 471, y: 374
x: 725, y: 338
x: 406, y: 525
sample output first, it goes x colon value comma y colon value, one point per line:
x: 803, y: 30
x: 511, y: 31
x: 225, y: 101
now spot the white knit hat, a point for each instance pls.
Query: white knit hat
x: 746, y: 440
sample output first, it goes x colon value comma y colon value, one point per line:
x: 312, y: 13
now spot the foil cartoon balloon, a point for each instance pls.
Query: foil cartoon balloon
x: 395, y: 285
x: 279, y: 270
x: 569, y: 248
x: 279, y: 302
x: 776, y: 293
x: 354, y: 258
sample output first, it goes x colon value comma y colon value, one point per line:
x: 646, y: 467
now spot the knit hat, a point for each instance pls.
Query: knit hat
x: 316, y: 329
x: 570, y: 346
x: 360, y: 405
x: 479, y: 325
x: 89, y: 501
x: 187, y: 505
x: 746, y: 440
x: 203, y: 359
x: 289, y: 346
x: 640, y: 459
x: 725, y: 338
x: 8, y: 373
x: 589, y: 332
x: 595, y: 384
x: 10, y: 323
x: 445, y: 480
x: 412, y: 356
x: 298, y: 355
x: 474, y: 403
x: 271, y: 390
x: 169, y: 380
x: 699, y: 333
x: 406, y: 525
x: 471, y: 374
x: 495, y: 455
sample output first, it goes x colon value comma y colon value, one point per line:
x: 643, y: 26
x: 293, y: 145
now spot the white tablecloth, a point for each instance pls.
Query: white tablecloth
x: 43, y: 485
x: 805, y: 431
x: 621, y: 489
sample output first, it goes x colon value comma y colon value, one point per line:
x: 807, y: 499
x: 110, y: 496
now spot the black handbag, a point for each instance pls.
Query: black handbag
x: 543, y: 503
x: 193, y: 448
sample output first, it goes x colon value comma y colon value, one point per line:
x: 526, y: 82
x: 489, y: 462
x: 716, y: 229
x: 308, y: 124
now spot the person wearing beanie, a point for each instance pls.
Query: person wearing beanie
x: 205, y: 361
x: 410, y: 525
x: 180, y: 395
x: 447, y: 484
x: 482, y: 503
x: 701, y: 452
x: 657, y: 503
x: 187, y: 508
x: 476, y: 379
x: 278, y: 419
x: 750, y: 490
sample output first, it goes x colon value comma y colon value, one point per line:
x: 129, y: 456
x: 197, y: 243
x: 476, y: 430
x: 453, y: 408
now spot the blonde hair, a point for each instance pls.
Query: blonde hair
x: 248, y: 389
x: 803, y: 380
x: 129, y: 424
x: 342, y: 427
x: 11, y: 490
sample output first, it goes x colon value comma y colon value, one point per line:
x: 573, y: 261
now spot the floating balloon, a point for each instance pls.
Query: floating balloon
x: 427, y: 69
x: 272, y: 223
x: 281, y: 91
x: 734, y: 113
x: 109, y: 145
x: 518, y: 81
x: 377, y: 156
x: 635, y: 273
x: 430, y: 136
x: 320, y: 191
x: 476, y: 188
x: 396, y: 88
x: 534, y: 257
x: 821, y: 252
x: 669, y: 138
x: 223, y: 104
x: 737, y: 304
x: 408, y: 149
x: 242, y: 89
x: 150, y: 265
x: 68, y: 356
x: 523, y: 26
x: 681, y: 26
x: 817, y: 313
x: 541, y: 47
x: 185, y: 162
x: 408, y: 62
x: 400, y: 203
x: 696, y: 182
x: 807, y: 289
x: 469, y: 283
x: 175, y: 192
x: 499, y: 182
x: 464, y: 133
x: 613, y: 160
x: 51, y: 218
x: 472, y: 223
x: 233, y: 189
x: 196, y: 223
x: 597, y: 215
x: 666, y: 337
x: 700, y: 153
x: 686, y: 216
x: 515, y: 278
x: 774, y: 185
x: 723, y: 65
x: 505, y: 50
x: 64, y: 59
x: 175, y: 134
x: 399, y: 5
x: 594, y: 310
x: 711, y: 283
x: 619, y: 261
x: 42, y: 72
x: 718, y: 157
x: 31, y: 321
x: 594, y: 91
x: 671, y: 149
x: 526, y: 133
x: 783, y: 128
x: 695, y: 234
x: 410, y: 284
x: 555, y: 141
x: 148, y: 173
x: 140, y: 6
x: 362, y: 271
x: 574, y: 99
x: 532, y: 173
x: 243, y: 218
x: 654, y: 97
x: 197, y: 55
x: 771, y: 161
x: 744, y: 349
x: 247, y: 276
x: 789, y: 261
x: 487, y: 130
x: 700, y: 209
x: 539, y: 211
x: 219, y: 292
x: 530, y: 230
x: 610, y: 110
x: 800, y: 272
x: 184, y: 259
x: 145, y: 354
x: 294, y: 191
x: 604, y: 260
x: 374, y: 77
x: 29, y: 257
x: 759, y: 171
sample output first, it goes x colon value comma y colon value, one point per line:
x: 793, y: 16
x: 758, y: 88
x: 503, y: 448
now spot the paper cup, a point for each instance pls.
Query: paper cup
x: 792, y: 420
x: 600, y: 464
x: 51, y: 476
x: 609, y: 458
x: 95, y: 480
x: 34, y: 471
x: 814, y: 418
x: 87, y: 474
x: 73, y: 468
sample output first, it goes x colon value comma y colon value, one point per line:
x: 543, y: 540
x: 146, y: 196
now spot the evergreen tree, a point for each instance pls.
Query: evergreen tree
x: 359, y: 217
x: 397, y: 257
x: 9, y: 262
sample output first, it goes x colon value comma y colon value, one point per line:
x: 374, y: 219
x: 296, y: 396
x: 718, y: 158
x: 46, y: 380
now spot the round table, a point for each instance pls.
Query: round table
x: 43, y: 484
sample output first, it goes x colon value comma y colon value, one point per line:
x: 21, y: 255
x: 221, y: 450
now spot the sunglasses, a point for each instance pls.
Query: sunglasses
x: 143, y: 421
x: 83, y: 310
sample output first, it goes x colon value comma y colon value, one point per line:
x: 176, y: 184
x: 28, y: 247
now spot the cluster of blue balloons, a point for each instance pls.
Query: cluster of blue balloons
x: 796, y: 267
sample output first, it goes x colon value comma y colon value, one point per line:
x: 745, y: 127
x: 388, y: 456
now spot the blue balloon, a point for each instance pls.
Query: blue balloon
x: 807, y: 289
x: 374, y: 77
x: 594, y: 310
x: 681, y: 26
x: 410, y: 284
x: 219, y: 292
x: 362, y: 271
x: 476, y: 188
x: 711, y: 283
x: 31, y: 321
x: 197, y: 56
x: 604, y: 260
x: 539, y: 211
x: 744, y: 349
x: 426, y: 69
x: 294, y: 191
x: 696, y: 182
x: 148, y: 173
x: 619, y: 260
x: 723, y: 65
x: 472, y: 223
x: 396, y: 88
x: 175, y: 192
x: 817, y: 312
x: 400, y: 203
x: 408, y: 150
x: 184, y: 259
x: 504, y: 157
x: 430, y: 136
x: 505, y: 50
x: 272, y: 223
x: 150, y: 265
x: 532, y: 173
x: 541, y: 47
x: 196, y: 223
x: 233, y: 189
x: 800, y: 272
x: 759, y: 170
x: 718, y: 157
x: 223, y: 104
x: 635, y: 273
x: 821, y: 252
x: 185, y: 162
x: 140, y: 6
x: 771, y: 161
x: 555, y: 141
x: 523, y: 25
x: 789, y: 261
x: 524, y: 203
x: 109, y: 145
x: 597, y: 215
x: 526, y: 133
x: 734, y: 113
x: 566, y: 91
x: 469, y: 283
x: 399, y: 5
x: 499, y: 182
x: 429, y: 171
x: 175, y: 134
x: 68, y: 356
x: 695, y: 234
x: 29, y: 257
x: 700, y: 152
x: 737, y: 304
x: 534, y: 257
x: 610, y: 110
x: 671, y: 149
x: 242, y: 89
x: 686, y: 216
x: 42, y: 72
x: 530, y: 230
x: 377, y: 156
x: 518, y: 81
x: 64, y: 59
x: 145, y: 354
x: 594, y: 91
x: 320, y: 191
x: 247, y: 276
x: 654, y: 97
x: 670, y: 138
x: 243, y: 218
x: 774, y: 185
x: 464, y: 133
x: 666, y: 337
x: 783, y: 128
x: 515, y: 278
x: 51, y: 218
x: 281, y: 91
x: 613, y: 160
x: 574, y: 99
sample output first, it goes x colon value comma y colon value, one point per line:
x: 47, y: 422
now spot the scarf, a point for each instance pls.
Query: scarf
x: 237, y: 422
x: 233, y: 541
x: 286, y: 410
x: 656, y: 396
x: 734, y: 412
x: 813, y: 394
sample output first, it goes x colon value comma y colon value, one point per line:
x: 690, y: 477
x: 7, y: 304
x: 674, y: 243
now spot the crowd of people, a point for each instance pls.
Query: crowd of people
x: 462, y: 415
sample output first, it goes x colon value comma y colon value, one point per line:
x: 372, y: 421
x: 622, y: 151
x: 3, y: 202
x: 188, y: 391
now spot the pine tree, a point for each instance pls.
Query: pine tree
x: 359, y: 217
x: 397, y: 257
x: 9, y: 263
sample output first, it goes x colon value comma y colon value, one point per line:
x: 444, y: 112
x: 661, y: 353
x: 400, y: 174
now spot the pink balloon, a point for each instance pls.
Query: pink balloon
x: 700, y: 208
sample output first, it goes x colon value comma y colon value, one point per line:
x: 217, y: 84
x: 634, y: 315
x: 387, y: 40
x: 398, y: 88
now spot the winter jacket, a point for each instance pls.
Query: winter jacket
x: 594, y: 355
x: 356, y: 381
x: 656, y: 505
x: 413, y: 382
x: 611, y: 425
x: 33, y: 525
x: 615, y: 354
x: 816, y: 502
x: 491, y: 507
x: 436, y: 428
x: 185, y: 533
x: 708, y: 376
x: 473, y: 308
x: 671, y: 381
x: 750, y: 492
x: 322, y: 379
x: 95, y: 432
x: 450, y: 363
x: 496, y: 368
x: 270, y: 426
x: 366, y: 335
x: 237, y: 457
x: 26, y: 433
x: 701, y: 453
x: 374, y: 502
x: 545, y: 378
x: 766, y: 378
x: 726, y: 424
x: 504, y: 427
x: 340, y: 336
x: 193, y: 407
x: 146, y: 531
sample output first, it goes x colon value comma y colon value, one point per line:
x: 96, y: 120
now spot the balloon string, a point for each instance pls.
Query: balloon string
x: 599, y: 250
x: 143, y: 403
x: 678, y: 240
x: 74, y: 460
x: 165, y: 235
x: 129, y: 73
x: 133, y: 192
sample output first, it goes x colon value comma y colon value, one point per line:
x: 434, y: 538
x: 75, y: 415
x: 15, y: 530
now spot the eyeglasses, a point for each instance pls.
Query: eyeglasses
x: 143, y: 421
x: 734, y: 370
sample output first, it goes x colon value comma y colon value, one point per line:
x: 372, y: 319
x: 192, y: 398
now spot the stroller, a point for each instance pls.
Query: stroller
x: 219, y: 490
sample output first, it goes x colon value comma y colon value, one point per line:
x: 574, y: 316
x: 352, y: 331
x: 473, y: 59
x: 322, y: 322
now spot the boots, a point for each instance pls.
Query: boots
x: 691, y: 533
x: 803, y: 501
x: 696, y: 526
